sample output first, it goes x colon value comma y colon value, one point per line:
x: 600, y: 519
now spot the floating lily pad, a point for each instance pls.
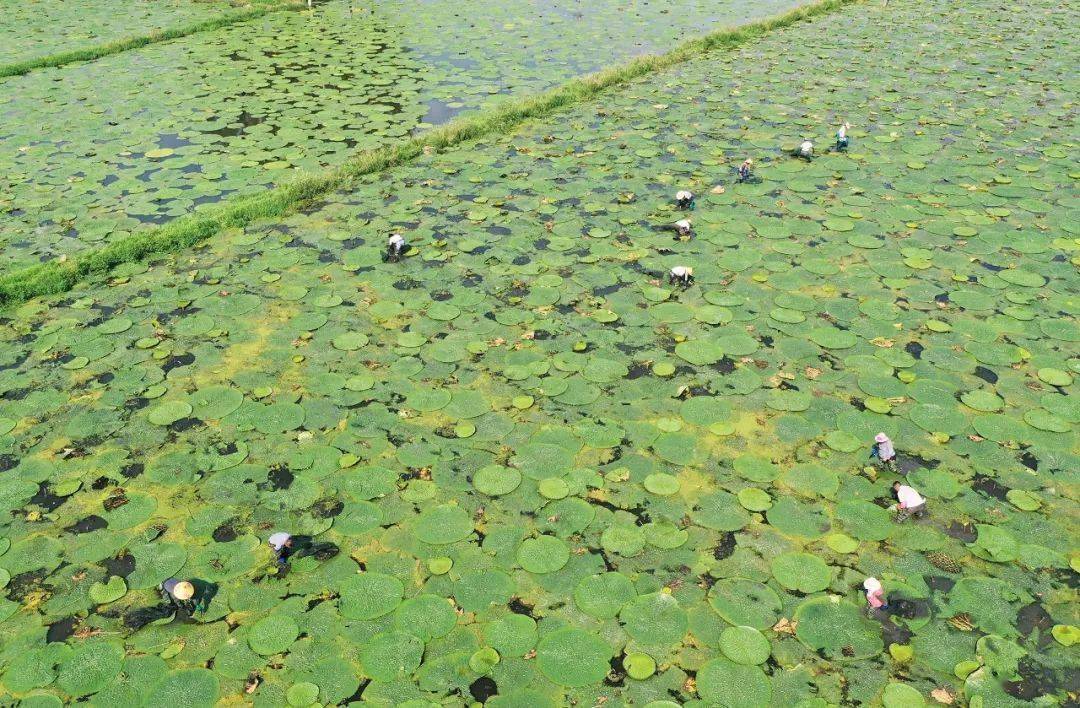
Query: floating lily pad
x: 573, y: 657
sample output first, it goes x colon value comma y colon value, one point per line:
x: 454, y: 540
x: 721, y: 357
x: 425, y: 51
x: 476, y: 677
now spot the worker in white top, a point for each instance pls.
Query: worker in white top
x: 909, y: 502
x: 282, y: 545
x: 682, y: 275
x: 684, y: 230
x: 805, y: 151
x: 841, y: 137
x: 395, y: 247
x: 684, y: 199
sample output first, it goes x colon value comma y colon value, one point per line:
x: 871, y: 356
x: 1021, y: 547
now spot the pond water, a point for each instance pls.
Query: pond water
x: 91, y: 152
x: 36, y: 28
x: 539, y: 458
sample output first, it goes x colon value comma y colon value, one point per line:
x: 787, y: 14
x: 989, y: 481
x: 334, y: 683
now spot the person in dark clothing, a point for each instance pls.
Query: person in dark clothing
x: 395, y: 248
x: 842, y: 137
x: 282, y: 545
x: 745, y: 170
x: 684, y: 199
x: 191, y: 596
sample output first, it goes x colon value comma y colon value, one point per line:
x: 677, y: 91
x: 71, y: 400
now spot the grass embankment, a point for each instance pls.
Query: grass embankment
x: 57, y: 277
x: 129, y: 43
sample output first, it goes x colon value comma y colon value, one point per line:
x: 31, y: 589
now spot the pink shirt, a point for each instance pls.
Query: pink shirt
x: 876, y: 598
x: 908, y: 497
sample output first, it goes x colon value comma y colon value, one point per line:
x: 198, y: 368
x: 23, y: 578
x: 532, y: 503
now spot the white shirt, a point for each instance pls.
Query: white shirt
x: 684, y: 196
x: 680, y: 271
x: 683, y: 224
x: 806, y: 148
x: 842, y: 133
x: 396, y: 240
x: 278, y: 540
x: 908, y: 497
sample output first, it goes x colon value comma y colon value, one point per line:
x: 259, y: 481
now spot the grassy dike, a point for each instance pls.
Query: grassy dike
x: 57, y: 277
x: 129, y: 43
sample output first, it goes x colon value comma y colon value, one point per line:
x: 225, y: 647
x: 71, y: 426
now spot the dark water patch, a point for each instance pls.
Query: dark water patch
x: 15, y: 394
x: 520, y: 608
x: 279, y: 478
x: 133, y: 470
x: 185, y: 424
x: 604, y: 291
x: 122, y: 565
x: 482, y: 689
x: 8, y: 462
x: 1035, y: 681
x: 939, y: 583
x: 914, y: 349
x: 986, y: 374
x: 327, y: 508
x: 46, y: 499
x: 1030, y: 461
x: 88, y: 524
x: 961, y: 532
x: 60, y: 631
x: 23, y: 584
x: 893, y: 633
x: 224, y: 533
x: 638, y: 370
x: 140, y: 617
x: 989, y: 487
x: 101, y: 482
x: 439, y: 112
x: 907, y: 462
x: 407, y: 284
x: 1032, y: 617
x: 136, y: 404
x: 441, y: 295
x: 617, y: 675
x: 766, y: 341
x: 725, y: 365
x: 726, y: 547
x: 909, y: 608
x: 941, y: 297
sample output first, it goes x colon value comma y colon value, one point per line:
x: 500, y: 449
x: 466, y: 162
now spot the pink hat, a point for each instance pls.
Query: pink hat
x: 881, y: 437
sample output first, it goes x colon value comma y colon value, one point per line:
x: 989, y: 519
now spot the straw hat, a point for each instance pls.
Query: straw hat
x: 684, y: 194
x: 183, y: 590
x: 881, y: 437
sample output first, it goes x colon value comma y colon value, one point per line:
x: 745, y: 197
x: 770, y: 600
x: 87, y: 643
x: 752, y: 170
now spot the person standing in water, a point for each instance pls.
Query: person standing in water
x: 805, y: 150
x: 745, y: 170
x: 842, y: 137
x: 875, y: 596
x: 681, y: 275
x: 909, y: 502
x: 684, y: 199
x: 395, y: 247
x: 883, y: 450
x: 282, y: 545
